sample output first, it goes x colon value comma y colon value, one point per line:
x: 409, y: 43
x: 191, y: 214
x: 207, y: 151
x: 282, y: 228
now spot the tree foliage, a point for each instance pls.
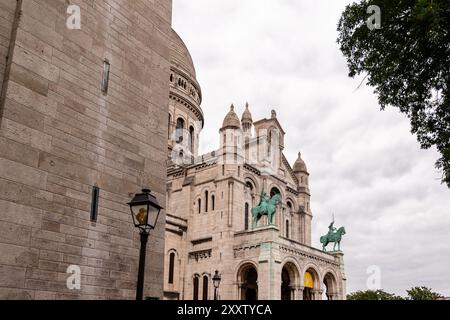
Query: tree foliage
x: 415, y: 293
x: 373, y: 295
x: 407, y: 62
x: 422, y: 293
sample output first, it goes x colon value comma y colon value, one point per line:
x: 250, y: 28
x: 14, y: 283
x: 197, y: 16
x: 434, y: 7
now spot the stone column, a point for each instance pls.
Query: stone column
x: 300, y: 292
x: 269, y: 271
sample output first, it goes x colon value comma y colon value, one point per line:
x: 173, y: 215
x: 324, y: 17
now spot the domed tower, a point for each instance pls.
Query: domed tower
x: 301, y: 172
x: 304, y: 199
x: 185, y: 97
x: 231, y: 138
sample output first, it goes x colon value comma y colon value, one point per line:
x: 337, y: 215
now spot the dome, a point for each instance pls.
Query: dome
x: 180, y: 56
x: 247, y: 116
x: 231, y: 120
x: 299, y: 165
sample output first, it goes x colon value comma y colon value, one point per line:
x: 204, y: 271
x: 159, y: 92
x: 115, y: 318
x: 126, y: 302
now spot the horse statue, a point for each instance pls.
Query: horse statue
x: 332, y: 236
x: 266, y: 207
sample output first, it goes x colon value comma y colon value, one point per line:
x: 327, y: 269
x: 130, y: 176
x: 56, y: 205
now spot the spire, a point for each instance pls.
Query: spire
x: 246, y: 119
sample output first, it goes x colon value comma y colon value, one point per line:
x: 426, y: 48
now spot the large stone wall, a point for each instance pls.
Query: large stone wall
x: 60, y: 136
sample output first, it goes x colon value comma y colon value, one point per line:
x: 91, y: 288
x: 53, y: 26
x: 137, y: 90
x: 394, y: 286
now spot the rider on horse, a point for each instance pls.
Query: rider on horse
x: 263, y: 198
x: 331, y: 230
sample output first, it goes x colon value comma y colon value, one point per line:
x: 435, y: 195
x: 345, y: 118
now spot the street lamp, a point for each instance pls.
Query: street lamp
x: 216, y: 282
x: 145, y: 212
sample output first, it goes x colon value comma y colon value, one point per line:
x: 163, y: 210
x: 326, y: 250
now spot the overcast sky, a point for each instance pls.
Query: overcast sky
x: 365, y: 165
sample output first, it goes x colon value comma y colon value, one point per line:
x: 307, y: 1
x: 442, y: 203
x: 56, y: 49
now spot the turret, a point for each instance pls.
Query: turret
x: 247, y: 121
x: 231, y: 138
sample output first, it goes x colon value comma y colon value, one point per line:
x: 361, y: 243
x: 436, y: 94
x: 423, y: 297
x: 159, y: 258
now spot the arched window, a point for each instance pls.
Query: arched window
x: 199, y: 205
x: 246, y: 216
x: 287, y: 228
x: 180, y: 129
x: 171, y: 266
x: 196, y: 283
x: 206, y: 201
x: 191, y: 139
x: 274, y: 191
x: 213, y: 202
x: 179, y: 81
x: 205, y: 287
x: 171, y: 77
x: 289, y: 205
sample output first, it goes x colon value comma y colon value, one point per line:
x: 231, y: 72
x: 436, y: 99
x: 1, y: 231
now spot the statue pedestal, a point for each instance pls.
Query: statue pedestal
x: 340, y: 256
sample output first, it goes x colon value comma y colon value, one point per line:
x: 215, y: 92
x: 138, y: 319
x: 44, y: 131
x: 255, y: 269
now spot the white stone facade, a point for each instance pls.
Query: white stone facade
x: 209, y: 223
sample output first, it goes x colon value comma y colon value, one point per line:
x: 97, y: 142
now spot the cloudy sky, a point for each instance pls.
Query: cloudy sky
x: 365, y: 165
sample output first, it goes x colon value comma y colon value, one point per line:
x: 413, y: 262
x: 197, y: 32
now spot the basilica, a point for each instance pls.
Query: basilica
x: 210, y: 225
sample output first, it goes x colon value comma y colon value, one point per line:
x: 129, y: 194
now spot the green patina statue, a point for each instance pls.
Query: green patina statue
x: 333, y: 235
x: 266, y: 207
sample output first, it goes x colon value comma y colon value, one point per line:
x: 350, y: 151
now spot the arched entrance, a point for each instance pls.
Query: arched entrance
x: 310, y: 284
x: 248, y: 277
x: 330, y: 286
x: 289, y: 281
x: 285, y: 285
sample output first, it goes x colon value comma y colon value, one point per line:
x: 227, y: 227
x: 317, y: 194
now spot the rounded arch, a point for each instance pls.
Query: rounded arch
x: 243, y: 264
x: 247, y: 280
x: 273, y: 187
x: 314, y: 270
x: 294, y: 269
x: 250, y: 179
x: 289, y: 199
x: 290, y: 276
x: 331, y: 285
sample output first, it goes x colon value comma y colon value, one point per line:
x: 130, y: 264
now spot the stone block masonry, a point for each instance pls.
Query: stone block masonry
x: 60, y: 135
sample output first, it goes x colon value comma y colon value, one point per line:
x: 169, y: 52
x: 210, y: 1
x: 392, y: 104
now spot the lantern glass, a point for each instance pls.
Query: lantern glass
x: 153, y: 214
x: 140, y: 214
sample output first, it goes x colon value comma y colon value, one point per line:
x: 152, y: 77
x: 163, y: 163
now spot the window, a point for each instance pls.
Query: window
x: 287, y: 228
x: 180, y: 129
x: 213, y: 202
x: 199, y: 205
x: 196, y: 282
x: 171, y: 77
x: 94, y: 203
x: 206, y: 201
x: 246, y: 216
x: 171, y: 266
x: 289, y: 205
x: 191, y: 139
x: 205, y: 287
x: 105, y: 77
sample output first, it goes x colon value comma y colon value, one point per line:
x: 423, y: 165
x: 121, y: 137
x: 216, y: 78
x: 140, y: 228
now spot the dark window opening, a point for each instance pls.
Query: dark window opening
x: 94, y: 203
x: 105, y: 77
x: 171, y: 266
x: 196, y: 281
x: 205, y: 288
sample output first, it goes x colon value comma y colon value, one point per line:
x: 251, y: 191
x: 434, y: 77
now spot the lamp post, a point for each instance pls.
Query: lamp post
x: 216, y: 282
x: 145, y: 212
